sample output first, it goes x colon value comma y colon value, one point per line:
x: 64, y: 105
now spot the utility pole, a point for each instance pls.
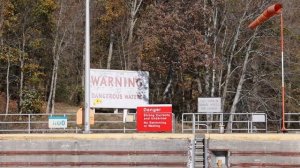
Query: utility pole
x: 87, y: 69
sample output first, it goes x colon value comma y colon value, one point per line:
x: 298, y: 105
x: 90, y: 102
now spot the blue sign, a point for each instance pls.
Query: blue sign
x: 57, y: 122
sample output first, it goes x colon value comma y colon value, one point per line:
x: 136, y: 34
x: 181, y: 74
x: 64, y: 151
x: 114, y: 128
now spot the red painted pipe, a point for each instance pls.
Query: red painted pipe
x: 269, y: 12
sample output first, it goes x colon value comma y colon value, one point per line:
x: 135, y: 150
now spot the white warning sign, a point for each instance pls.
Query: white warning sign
x: 209, y: 105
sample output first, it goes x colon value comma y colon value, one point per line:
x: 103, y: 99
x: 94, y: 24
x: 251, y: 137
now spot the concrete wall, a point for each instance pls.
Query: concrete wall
x: 148, y: 150
x: 254, y: 150
x: 95, y: 150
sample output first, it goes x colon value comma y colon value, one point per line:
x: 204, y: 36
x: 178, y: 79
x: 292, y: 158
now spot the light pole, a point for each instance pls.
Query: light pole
x: 268, y: 13
x: 87, y: 69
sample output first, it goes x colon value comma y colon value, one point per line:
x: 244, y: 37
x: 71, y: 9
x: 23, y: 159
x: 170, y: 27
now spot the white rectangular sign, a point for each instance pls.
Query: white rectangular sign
x: 209, y: 105
x: 118, y: 88
x: 57, y: 122
x: 258, y: 118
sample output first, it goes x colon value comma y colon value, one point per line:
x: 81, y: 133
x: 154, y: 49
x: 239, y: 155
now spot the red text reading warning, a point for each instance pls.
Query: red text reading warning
x: 154, y: 118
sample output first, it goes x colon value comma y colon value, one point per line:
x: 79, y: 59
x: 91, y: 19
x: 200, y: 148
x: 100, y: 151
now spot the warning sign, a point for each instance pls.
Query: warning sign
x: 154, y: 118
x: 209, y: 105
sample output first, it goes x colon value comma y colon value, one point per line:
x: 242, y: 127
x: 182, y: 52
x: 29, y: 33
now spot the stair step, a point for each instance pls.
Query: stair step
x: 198, y: 166
x: 199, y: 153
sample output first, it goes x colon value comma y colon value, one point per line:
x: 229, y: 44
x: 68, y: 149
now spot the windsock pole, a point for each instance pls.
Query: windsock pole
x: 283, y: 129
x: 268, y: 13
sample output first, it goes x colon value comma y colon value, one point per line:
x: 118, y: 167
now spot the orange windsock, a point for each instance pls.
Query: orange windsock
x: 269, y: 12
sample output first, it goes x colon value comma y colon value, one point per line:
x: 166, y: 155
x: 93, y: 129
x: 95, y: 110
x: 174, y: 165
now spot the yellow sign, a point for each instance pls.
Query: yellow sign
x: 80, y: 117
x: 97, y: 101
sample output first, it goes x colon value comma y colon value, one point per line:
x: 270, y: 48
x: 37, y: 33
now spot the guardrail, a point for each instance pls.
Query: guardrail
x: 38, y: 123
x: 293, y: 122
x: 115, y: 123
x: 242, y: 122
x: 33, y: 123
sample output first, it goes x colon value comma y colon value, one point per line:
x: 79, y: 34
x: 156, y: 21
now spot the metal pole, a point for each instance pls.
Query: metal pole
x: 87, y: 69
x: 29, y: 124
x: 194, y: 123
x: 266, y: 117
x: 283, y: 129
x: 182, y: 120
x: 173, y: 123
x: 205, y: 152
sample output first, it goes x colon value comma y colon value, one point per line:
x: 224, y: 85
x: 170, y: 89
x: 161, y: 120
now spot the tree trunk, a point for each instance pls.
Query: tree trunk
x: 240, y: 85
x: 51, y: 101
x: 170, y: 80
x: 49, y: 105
x: 22, y: 60
x: 229, y: 63
x: 54, y: 87
x: 7, y: 81
x: 215, y: 44
x: 221, y: 69
x: 110, y: 51
x: 60, y: 43
x: 135, y: 6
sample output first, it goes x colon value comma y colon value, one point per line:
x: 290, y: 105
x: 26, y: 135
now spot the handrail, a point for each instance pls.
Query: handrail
x: 110, y: 122
x: 38, y: 123
x: 247, y: 124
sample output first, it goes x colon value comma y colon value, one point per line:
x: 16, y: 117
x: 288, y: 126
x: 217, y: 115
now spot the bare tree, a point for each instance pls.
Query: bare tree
x: 110, y: 51
x: 7, y: 81
x: 240, y: 84
x: 2, y: 6
x: 134, y: 8
x: 234, y: 44
x: 62, y: 38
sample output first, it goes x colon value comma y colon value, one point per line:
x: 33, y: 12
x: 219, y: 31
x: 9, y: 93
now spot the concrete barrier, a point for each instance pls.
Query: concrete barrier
x: 149, y: 150
x: 254, y: 150
x: 95, y: 150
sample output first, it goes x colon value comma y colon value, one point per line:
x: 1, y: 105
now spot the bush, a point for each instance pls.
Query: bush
x: 32, y: 101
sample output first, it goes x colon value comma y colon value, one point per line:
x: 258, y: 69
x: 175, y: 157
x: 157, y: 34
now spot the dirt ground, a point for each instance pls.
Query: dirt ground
x: 65, y: 108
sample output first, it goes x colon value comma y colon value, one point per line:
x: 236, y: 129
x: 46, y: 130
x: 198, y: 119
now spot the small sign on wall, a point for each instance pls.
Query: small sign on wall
x: 258, y: 118
x: 57, y: 122
x: 154, y: 118
x: 209, y: 105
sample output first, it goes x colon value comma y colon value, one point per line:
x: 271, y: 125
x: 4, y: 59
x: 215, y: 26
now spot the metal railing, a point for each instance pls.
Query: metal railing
x: 242, y: 122
x: 33, y: 123
x: 293, y: 122
x: 115, y: 123
x: 38, y: 123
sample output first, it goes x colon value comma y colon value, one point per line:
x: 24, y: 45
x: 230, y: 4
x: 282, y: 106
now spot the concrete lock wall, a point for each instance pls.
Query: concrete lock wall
x: 96, y: 150
x: 253, y: 150
x: 148, y: 150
